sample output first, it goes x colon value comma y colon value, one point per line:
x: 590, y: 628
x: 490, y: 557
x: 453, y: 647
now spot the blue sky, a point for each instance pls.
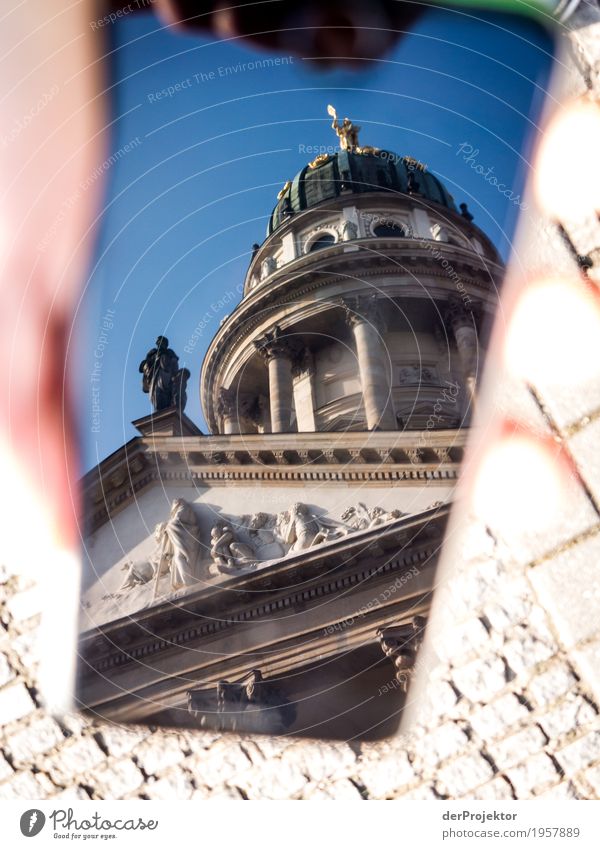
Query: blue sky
x: 192, y: 193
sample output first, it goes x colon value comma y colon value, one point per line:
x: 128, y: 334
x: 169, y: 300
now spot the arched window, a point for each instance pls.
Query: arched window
x: 324, y: 241
x: 386, y: 231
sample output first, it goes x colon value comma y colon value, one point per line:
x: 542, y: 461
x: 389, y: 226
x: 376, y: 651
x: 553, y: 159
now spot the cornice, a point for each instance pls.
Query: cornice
x: 357, y: 456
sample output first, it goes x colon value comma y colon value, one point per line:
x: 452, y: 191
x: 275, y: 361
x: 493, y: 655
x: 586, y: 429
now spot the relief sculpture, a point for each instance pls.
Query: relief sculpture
x: 228, y: 554
x: 301, y: 529
x: 361, y: 518
x: 174, y: 554
x: 238, y: 546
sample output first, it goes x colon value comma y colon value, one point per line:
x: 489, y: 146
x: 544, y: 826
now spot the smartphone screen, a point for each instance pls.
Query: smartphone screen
x: 280, y: 344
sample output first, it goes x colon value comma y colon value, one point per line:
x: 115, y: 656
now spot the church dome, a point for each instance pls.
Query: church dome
x: 378, y: 171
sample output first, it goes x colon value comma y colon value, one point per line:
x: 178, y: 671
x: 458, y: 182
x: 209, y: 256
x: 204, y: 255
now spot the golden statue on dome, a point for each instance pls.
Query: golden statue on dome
x: 347, y: 132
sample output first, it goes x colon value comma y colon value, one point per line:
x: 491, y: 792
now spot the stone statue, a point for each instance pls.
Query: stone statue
x: 412, y: 183
x: 178, y: 542
x: 439, y: 233
x: 301, y: 529
x: 349, y: 230
x: 379, y: 516
x: 361, y: 517
x: 261, y: 529
x: 228, y: 554
x: 162, y: 378
x: 136, y: 574
x: 347, y: 132
x: 464, y: 211
x: 284, y: 191
x: 178, y: 389
x: 268, y: 266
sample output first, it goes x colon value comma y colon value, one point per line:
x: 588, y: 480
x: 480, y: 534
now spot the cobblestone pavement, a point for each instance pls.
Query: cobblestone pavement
x: 511, y: 708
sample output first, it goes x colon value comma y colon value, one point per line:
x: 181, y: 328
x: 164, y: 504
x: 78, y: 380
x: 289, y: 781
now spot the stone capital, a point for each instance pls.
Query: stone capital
x: 273, y: 344
x: 459, y: 313
x: 363, y: 308
x: 302, y: 363
x: 227, y: 402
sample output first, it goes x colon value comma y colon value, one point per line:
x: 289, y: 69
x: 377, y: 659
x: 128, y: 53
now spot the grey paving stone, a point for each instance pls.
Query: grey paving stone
x: 587, y: 660
x: 512, y: 400
x: 499, y: 717
x: 77, y: 756
x: 513, y: 749
x: 550, y: 684
x: 271, y: 780
x: 530, y: 542
x: 568, y: 585
x: 422, y: 793
x: 527, y: 647
x: 320, y: 761
x: 564, y: 791
x: 155, y: 759
x: 463, y: 641
x: 584, y: 448
x: 568, y: 715
x: 499, y: 788
x: 532, y: 776
x: 481, y: 679
x: 342, y: 790
x: 176, y: 785
x: 568, y: 403
x: 119, y: 741
x: 15, y: 702
x: 6, y: 770
x: 37, y: 738
x: 592, y: 777
x: 6, y: 672
x: 25, y: 785
x: 442, y: 743
x: 71, y: 794
x: 580, y: 753
x: 117, y: 780
x: 462, y: 775
x: 222, y: 763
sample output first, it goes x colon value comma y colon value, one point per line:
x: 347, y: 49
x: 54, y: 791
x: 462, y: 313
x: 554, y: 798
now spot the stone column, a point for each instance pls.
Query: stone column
x: 278, y: 354
x: 364, y: 317
x: 227, y: 409
x: 461, y: 319
x: 303, y: 372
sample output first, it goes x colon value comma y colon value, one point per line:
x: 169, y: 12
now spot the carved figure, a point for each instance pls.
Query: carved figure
x: 261, y: 528
x: 349, y: 230
x: 162, y: 379
x: 283, y: 192
x: 178, y: 543
x: 268, y: 266
x: 229, y: 554
x: 301, y: 529
x: 136, y: 574
x: 362, y: 517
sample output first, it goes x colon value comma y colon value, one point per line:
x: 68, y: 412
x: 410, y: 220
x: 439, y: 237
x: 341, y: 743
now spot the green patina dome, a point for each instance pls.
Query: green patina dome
x: 379, y: 171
